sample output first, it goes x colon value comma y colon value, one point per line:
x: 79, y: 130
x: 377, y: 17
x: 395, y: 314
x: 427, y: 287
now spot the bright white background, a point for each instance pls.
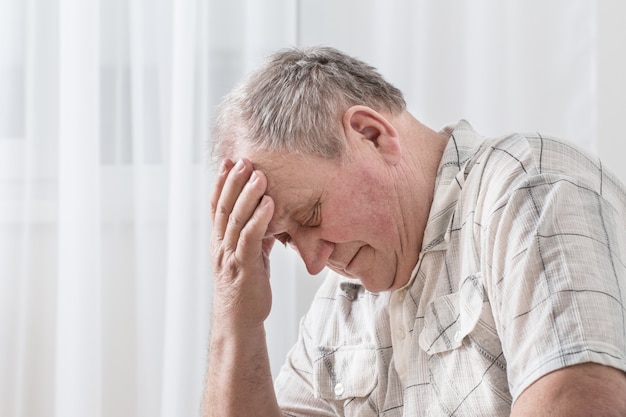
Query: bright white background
x: 105, y: 282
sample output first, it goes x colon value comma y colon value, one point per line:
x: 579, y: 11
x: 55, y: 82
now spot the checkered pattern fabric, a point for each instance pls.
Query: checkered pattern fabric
x: 522, y: 272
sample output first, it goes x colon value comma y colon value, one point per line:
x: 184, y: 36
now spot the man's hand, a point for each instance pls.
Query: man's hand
x: 241, y: 213
x: 239, y: 379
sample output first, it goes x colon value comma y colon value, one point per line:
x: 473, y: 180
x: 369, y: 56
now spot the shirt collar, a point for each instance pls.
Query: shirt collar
x: 455, y: 164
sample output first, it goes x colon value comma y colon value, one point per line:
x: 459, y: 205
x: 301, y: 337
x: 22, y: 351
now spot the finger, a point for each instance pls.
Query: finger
x: 267, y: 245
x: 224, y: 169
x: 252, y: 242
x: 245, y: 206
x: 234, y: 183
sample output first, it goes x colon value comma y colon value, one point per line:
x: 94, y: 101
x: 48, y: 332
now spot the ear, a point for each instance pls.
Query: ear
x: 365, y: 126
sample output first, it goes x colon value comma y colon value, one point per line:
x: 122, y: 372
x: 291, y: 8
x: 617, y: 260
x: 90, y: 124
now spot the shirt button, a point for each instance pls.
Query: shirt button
x: 457, y: 336
x: 339, y: 389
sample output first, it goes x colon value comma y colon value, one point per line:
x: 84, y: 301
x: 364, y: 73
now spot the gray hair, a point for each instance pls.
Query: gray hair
x: 295, y: 101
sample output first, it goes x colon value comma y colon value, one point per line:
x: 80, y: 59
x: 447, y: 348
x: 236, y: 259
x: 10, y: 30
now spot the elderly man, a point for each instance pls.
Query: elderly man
x: 469, y: 276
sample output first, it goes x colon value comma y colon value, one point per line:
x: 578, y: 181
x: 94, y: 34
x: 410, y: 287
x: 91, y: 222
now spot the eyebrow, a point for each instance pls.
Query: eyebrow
x: 297, y: 212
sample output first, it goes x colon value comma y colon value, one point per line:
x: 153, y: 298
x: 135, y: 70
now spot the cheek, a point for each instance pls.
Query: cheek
x: 376, y: 205
x: 361, y: 207
x: 365, y: 217
x: 379, y: 224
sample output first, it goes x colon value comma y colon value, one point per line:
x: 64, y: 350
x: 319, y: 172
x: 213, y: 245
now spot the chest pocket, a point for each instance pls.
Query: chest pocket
x: 345, y: 372
x: 448, y: 319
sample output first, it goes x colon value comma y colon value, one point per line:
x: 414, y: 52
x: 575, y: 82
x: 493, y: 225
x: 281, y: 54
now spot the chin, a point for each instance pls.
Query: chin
x: 377, y: 286
x: 393, y: 284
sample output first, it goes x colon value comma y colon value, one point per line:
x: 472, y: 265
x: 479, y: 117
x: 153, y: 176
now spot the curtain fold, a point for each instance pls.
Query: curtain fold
x: 146, y: 226
x: 181, y: 309
x: 79, y: 312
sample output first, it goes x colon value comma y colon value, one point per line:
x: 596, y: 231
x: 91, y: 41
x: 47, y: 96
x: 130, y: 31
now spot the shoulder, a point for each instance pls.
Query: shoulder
x: 521, y: 162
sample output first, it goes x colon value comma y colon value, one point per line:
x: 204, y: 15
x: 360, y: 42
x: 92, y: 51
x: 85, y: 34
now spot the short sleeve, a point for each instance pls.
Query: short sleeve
x: 557, y: 278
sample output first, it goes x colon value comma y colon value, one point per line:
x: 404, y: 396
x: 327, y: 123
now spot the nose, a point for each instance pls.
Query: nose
x: 313, y: 251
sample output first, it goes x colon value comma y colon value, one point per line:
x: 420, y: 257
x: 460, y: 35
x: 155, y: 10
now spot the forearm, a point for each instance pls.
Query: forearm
x: 587, y: 389
x: 239, y: 380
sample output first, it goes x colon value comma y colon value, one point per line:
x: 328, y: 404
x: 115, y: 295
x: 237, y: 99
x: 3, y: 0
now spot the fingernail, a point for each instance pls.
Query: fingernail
x: 240, y: 165
x: 224, y: 166
x: 253, y: 177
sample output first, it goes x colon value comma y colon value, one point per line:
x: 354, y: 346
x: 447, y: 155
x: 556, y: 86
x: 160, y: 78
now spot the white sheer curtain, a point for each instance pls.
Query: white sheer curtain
x: 502, y: 65
x: 105, y: 283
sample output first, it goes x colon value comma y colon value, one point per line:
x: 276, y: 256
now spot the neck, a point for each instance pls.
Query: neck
x: 422, y: 150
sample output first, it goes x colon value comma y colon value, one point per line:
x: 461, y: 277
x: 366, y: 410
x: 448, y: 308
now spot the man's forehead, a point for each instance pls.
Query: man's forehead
x: 288, y: 185
x: 293, y: 177
x: 281, y: 170
x: 289, y: 195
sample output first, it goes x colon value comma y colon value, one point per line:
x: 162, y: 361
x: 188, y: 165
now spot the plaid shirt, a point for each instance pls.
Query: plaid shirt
x: 522, y: 272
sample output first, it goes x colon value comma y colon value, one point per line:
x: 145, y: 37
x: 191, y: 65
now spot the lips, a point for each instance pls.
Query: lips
x: 353, y: 258
x: 344, y: 267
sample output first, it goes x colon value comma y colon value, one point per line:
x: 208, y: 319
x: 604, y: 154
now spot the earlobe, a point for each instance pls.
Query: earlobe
x: 364, y: 125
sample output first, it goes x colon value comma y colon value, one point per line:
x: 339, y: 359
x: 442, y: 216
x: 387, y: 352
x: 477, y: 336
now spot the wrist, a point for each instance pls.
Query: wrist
x: 232, y: 330
x: 237, y: 315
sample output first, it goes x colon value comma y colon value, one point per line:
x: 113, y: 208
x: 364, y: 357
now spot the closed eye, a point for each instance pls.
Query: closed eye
x: 313, y: 221
x: 316, y: 217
